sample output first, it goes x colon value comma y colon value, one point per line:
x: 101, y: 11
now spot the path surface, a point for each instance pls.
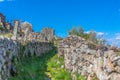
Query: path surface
x: 45, y: 67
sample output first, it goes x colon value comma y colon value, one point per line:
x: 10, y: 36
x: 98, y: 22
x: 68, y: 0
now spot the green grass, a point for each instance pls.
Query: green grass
x: 40, y: 68
x: 118, y: 53
x: 1, y: 28
x: 6, y: 35
x: 56, y: 41
x: 80, y: 77
x: 56, y: 69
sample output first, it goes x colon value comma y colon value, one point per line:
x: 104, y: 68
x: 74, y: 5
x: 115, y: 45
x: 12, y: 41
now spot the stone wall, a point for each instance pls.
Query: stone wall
x: 79, y: 58
x: 47, y: 35
x: 36, y: 48
x: 23, y: 32
x: 11, y: 50
x: 4, y: 26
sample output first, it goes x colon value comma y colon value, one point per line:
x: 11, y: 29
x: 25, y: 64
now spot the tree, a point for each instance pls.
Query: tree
x: 80, y: 31
x: 73, y: 31
x: 92, y: 36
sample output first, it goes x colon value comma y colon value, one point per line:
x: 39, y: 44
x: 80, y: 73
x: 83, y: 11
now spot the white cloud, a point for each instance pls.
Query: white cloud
x: 114, y: 39
x: 117, y: 36
x: 100, y: 33
x: 6, y: 0
x: 87, y: 32
x: 2, y: 0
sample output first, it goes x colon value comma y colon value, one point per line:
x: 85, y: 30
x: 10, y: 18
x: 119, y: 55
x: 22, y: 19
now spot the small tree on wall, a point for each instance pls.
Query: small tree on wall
x: 92, y: 36
x: 73, y: 31
x: 79, y: 31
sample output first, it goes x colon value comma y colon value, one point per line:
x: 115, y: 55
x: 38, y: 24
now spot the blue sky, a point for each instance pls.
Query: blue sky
x: 102, y: 16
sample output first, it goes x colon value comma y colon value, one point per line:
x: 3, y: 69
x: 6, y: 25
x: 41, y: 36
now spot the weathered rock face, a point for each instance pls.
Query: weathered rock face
x: 81, y: 59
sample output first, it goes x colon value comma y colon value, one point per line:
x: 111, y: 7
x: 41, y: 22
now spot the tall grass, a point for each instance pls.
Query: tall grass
x: 41, y: 68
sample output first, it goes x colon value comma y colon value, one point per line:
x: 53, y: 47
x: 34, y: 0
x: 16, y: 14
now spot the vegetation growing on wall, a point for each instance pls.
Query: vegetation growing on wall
x: 91, y: 35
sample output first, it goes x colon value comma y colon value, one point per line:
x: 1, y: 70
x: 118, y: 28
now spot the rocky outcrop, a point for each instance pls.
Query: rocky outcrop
x: 80, y: 58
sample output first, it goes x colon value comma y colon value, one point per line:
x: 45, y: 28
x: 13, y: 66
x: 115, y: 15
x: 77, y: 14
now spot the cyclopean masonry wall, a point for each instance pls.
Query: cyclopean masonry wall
x: 80, y: 58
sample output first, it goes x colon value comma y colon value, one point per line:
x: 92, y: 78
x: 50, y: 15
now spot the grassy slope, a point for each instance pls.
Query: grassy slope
x: 7, y: 35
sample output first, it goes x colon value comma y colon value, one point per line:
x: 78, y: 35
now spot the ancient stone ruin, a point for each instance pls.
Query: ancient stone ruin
x: 2, y: 19
x: 80, y: 55
x: 4, y: 26
x: 23, y: 31
x: 23, y: 43
x: 79, y: 58
x: 46, y: 35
